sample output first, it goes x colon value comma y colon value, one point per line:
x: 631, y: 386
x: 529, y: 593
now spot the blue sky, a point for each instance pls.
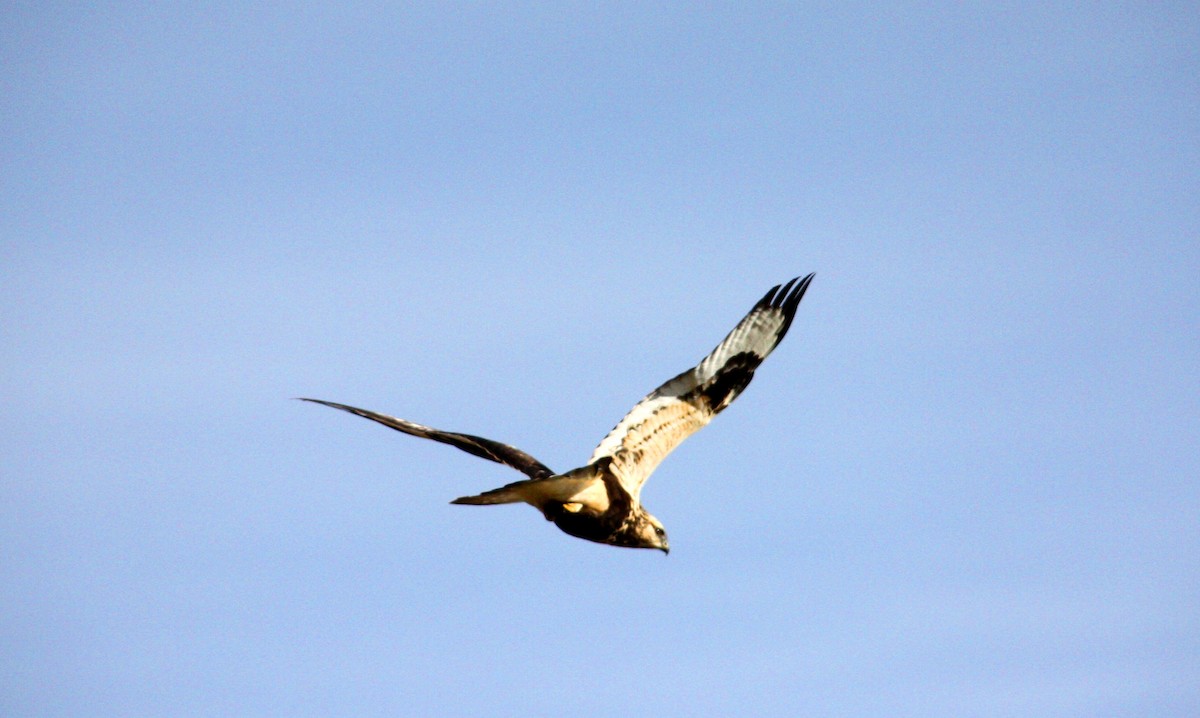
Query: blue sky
x: 965, y: 484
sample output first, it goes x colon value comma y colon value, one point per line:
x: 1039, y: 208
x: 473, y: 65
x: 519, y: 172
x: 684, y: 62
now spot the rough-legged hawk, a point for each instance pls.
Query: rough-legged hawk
x: 600, y: 501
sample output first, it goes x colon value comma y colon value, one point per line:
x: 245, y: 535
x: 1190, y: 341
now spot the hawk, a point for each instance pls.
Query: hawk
x: 601, y: 500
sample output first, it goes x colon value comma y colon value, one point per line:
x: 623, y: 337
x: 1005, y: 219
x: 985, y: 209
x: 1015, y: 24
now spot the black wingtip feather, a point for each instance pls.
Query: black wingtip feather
x: 786, y: 288
x: 788, y: 300
x: 793, y: 300
x: 334, y: 405
x: 784, y: 295
x: 342, y: 407
x: 767, y: 298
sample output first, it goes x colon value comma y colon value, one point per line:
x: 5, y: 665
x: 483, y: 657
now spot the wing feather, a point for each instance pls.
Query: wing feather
x: 681, y: 406
x: 475, y: 445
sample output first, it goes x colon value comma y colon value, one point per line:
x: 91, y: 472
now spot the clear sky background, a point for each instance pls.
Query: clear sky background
x: 965, y: 484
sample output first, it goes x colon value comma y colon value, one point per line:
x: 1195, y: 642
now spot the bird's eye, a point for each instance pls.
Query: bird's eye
x: 659, y: 531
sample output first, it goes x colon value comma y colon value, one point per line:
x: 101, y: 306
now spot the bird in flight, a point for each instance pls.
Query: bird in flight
x: 601, y: 500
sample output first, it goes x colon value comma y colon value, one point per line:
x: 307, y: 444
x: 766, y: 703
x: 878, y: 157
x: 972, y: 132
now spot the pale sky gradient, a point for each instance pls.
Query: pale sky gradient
x: 966, y: 484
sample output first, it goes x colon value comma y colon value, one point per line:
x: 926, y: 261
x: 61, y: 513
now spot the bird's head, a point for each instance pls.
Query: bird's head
x: 640, y: 530
x: 650, y: 533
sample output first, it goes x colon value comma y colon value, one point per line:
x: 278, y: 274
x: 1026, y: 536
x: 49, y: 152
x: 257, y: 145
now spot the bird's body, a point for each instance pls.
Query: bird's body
x: 600, y: 501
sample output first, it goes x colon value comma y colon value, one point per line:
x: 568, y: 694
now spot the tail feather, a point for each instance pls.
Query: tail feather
x: 580, y: 485
x: 510, y: 494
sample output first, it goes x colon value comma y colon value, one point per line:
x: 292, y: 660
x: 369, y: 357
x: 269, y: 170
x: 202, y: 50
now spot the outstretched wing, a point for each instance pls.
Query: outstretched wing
x: 477, y: 445
x: 681, y: 406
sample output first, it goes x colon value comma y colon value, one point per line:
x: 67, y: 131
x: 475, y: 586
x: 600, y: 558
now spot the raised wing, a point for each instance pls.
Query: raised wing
x: 477, y: 445
x: 681, y: 406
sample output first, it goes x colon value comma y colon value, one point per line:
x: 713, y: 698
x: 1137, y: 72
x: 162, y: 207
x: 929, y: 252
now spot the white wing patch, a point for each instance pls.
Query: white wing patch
x: 681, y: 406
x: 647, y: 434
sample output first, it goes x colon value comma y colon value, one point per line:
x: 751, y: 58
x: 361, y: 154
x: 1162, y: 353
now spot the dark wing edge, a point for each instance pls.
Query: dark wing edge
x: 688, y: 401
x: 474, y: 445
x: 728, y: 368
